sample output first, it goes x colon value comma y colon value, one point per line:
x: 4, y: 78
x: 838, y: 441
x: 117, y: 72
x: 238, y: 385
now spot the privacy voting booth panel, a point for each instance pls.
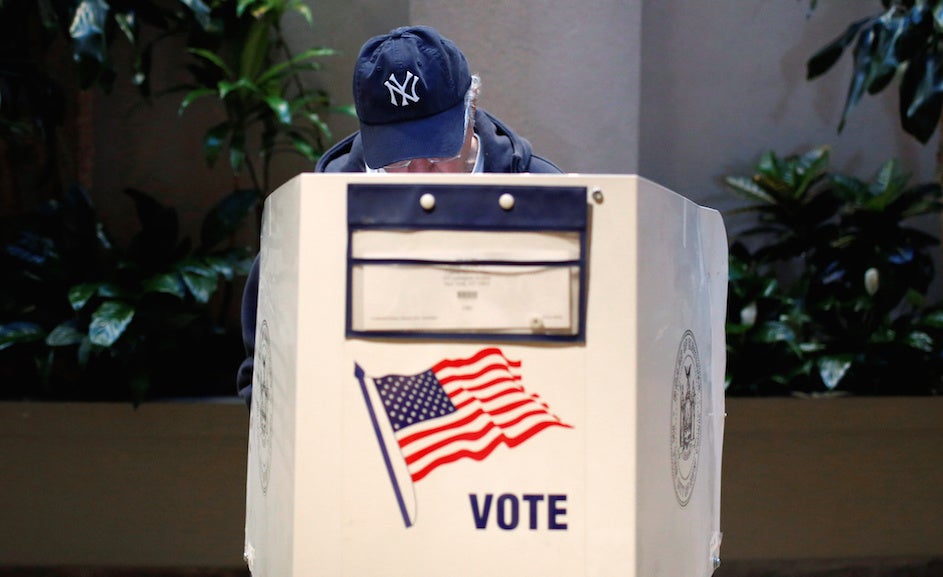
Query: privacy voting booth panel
x: 504, y: 375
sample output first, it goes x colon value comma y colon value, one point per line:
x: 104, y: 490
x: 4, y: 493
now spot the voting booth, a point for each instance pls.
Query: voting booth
x: 489, y: 374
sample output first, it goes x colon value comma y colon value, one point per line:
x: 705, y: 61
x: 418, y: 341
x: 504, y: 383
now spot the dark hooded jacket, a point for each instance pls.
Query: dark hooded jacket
x: 502, y: 151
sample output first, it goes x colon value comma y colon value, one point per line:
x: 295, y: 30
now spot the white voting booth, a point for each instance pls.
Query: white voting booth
x: 489, y: 374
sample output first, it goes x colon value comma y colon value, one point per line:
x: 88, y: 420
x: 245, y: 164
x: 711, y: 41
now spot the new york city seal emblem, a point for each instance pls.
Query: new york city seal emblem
x: 262, y: 398
x: 686, y: 418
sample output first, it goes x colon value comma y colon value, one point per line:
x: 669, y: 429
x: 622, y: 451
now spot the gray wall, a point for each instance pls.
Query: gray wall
x: 682, y: 92
x: 724, y: 81
x: 564, y: 74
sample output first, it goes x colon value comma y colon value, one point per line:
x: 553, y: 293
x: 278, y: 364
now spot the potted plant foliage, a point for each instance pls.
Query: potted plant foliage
x: 902, y: 41
x: 830, y: 287
x: 82, y: 318
x: 829, y: 284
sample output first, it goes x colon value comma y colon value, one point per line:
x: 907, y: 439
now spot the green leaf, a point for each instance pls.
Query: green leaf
x: 64, y: 335
x: 775, y: 331
x: 112, y: 290
x: 322, y: 126
x: 347, y: 110
x: 201, y: 12
x: 255, y: 49
x: 273, y: 73
x: 749, y: 189
x: 85, y: 351
x: 237, y: 158
x: 832, y: 369
x: 226, y: 88
x: 934, y: 319
x: 213, y: 58
x: 299, y: 61
x: 849, y: 188
x: 921, y: 96
x: 81, y: 293
x: 770, y: 286
x: 884, y: 61
x: 827, y: 56
x: 920, y: 341
x: 280, y: 107
x: 303, y: 9
x: 861, y: 73
x: 127, y: 23
x: 810, y: 166
x: 109, y: 322
x: 226, y: 217
x: 237, y: 150
x: 19, y: 332
x: 311, y: 53
x: 213, y: 142
x: 227, y: 265
x: 202, y: 282
x: 811, y: 347
x: 301, y: 144
x: 921, y: 199
x: 87, y: 30
x: 167, y: 283
x: 242, y: 5
x: 194, y: 95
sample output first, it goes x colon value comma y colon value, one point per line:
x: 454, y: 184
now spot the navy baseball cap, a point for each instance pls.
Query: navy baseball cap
x: 409, y: 90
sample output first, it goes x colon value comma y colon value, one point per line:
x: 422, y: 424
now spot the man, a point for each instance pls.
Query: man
x: 417, y: 104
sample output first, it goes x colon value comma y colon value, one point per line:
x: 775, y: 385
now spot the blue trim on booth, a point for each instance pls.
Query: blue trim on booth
x: 466, y: 207
x: 377, y: 206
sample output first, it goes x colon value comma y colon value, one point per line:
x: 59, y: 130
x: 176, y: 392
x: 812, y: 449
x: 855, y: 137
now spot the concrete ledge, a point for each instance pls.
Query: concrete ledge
x: 94, y: 486
x: 108, y: 485
x: 844, y: 478
x: 876, y: 567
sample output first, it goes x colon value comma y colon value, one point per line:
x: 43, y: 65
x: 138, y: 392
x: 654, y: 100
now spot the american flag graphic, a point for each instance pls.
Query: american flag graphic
x: 458, y: 409
x: 461, y: 408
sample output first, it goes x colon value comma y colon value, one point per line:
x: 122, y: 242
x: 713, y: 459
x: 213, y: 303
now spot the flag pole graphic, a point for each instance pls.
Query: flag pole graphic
x: 402, y: 488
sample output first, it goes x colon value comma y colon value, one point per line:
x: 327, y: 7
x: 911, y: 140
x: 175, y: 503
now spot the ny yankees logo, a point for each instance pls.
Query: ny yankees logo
x: 395, y: 87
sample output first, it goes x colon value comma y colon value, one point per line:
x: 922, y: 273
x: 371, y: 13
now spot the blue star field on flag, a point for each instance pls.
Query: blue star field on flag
x: 412, y: 399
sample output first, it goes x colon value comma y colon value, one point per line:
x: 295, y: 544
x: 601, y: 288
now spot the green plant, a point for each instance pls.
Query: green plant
x: 828, y: 287
x: 83, y: 318
x: 237, y: 51
x: 904, y: 41
x: 247, y: 64
x: 95, y: 322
